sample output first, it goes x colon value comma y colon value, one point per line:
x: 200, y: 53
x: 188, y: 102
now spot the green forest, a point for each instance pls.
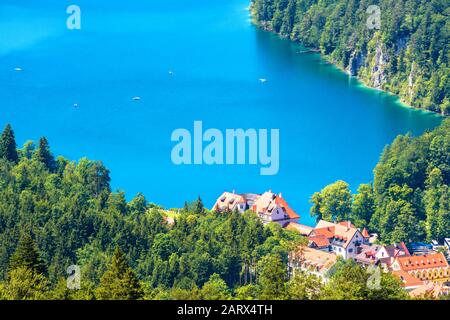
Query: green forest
x: 55, y: 213
x: 409, y: 199
x: 408, y: 55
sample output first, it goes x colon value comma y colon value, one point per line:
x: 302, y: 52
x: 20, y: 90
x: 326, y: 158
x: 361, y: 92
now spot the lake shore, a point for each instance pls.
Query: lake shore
x: 312, y: 50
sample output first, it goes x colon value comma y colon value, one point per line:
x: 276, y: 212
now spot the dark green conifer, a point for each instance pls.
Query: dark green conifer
x: 27, y: 255
x: 44, y: 155
x: 119, y: 282
x: 198, y: 206
x: 8, y: 145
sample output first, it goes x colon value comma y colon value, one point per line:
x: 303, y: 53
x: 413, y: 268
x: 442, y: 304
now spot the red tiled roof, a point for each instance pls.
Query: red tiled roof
x: 327, y: 232
x: 291, y: 213
x: 320, y: 240
x: 397, y: 249
x: 365, y: 233
x: 346, y: 224
x: 435, y: 260
x: 407, y: 279
x: 335, y: 230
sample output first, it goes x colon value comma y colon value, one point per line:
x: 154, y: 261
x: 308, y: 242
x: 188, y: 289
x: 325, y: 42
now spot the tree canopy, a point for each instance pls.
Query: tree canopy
x: 407, y: 55
x: 409, y: 199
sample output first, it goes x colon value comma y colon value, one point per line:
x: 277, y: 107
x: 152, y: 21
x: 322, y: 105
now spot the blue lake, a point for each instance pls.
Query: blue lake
x: 331, y: 127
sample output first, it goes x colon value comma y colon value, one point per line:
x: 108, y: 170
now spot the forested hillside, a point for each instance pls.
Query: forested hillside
x: 55, y: 213
x: 408, y: 55
x: 410, y: 195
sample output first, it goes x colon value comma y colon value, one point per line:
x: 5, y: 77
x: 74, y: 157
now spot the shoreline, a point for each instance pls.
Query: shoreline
x: 311, y: 50
x: 362, y: 84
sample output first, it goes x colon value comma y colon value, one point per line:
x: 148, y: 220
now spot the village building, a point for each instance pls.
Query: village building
x: 230, y: 201
x: 426, y: 268
x: 430, y: 290
x: 387, y: 254
x: 420, y: 248
x: 341, y: 238
x: 393, y: 251
x: 366, y: 236
x: 367, y: 255
x: 269, y: 206
x: 273, y: 208
x: 319, y: 242
x: 312, y: 261
x: 418, y: 288
x: 408, y: 281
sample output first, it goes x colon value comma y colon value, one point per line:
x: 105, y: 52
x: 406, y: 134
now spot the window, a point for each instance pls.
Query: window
x: 350, y: 250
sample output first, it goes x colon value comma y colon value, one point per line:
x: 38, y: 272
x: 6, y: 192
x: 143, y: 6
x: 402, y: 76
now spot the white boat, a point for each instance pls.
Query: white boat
x: 136, y: 98
x: 18, y: 69
x: 262, y: 80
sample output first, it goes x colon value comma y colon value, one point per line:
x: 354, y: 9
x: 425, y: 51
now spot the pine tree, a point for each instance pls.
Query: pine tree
x: 27, y: 256
x: 8, y: 145
x: 44, y: 155
x: 272, y: 278
x: 199, y: 208
x: 186, y: 207
x: 119, y: 282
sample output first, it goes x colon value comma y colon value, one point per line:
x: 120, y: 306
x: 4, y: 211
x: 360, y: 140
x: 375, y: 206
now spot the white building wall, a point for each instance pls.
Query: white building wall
x: 352, y: 247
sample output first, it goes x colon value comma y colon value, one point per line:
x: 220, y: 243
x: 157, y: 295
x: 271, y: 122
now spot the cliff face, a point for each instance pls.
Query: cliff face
x: 378, y: 70
x: 355, y: 63
x: 407, y: 56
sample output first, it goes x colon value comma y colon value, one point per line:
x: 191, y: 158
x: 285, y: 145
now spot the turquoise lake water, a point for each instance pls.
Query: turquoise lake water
x: 331, y: 127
